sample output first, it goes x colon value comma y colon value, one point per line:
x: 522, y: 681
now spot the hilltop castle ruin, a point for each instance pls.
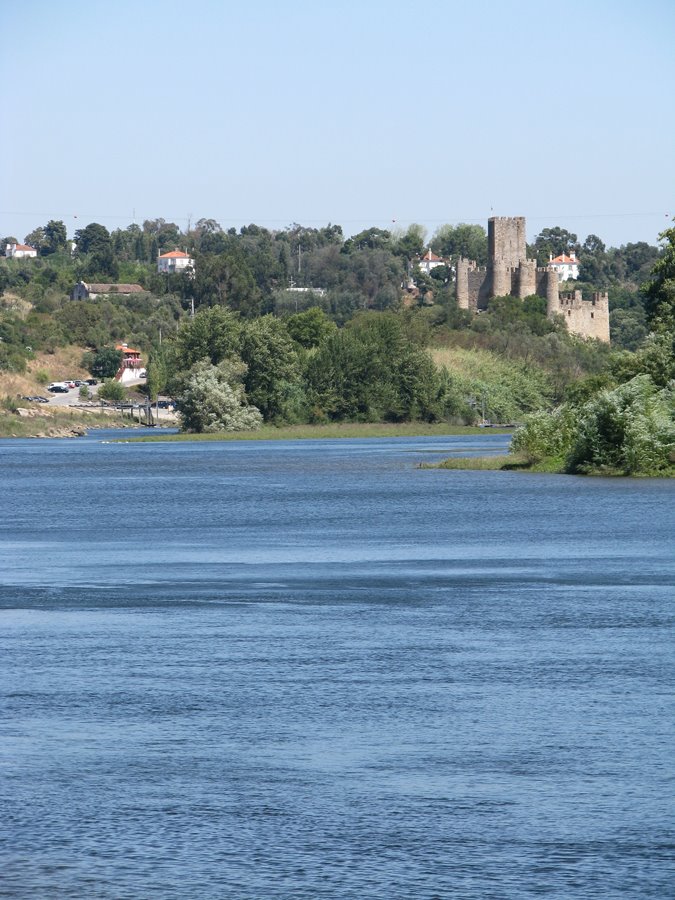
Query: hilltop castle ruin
x: 510, y: 272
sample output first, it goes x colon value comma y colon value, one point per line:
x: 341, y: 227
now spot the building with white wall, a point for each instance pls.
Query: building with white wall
x: 174, y: 261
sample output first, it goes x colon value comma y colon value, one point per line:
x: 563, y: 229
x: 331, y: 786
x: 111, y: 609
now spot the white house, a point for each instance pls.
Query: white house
x: 175, y: 261
x: 430, y: 261
x: 19, y: 251
x: 566, y: 266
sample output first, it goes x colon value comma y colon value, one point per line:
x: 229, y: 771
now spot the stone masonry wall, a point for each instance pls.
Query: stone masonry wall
x: 509, y: 272
x: 587, y: 318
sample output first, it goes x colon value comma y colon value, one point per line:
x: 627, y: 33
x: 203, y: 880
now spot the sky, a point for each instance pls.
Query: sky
x: 360, y: 113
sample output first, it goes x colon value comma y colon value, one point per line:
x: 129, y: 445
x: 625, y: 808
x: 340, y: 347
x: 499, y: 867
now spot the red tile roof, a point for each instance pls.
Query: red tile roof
x: 175, y: 254
x: 24, y: 247
x: 565, y: 260
x: 126, y: 349
x: 431, y: 257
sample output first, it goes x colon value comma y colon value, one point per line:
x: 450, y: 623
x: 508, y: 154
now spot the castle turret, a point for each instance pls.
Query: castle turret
x: 462, y: 283
x: 552, y: 292
x: 527, y: 278
x: 501, y: 278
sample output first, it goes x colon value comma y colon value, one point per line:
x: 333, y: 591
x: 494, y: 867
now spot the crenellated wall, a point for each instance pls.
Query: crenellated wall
x: 510, y: 273
x: 587, y: 318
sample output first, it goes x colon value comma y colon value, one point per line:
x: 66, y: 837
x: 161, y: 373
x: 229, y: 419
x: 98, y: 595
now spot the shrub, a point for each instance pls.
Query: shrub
x: 630, y: 429
x: 213, y: 399
x: 546, y: 434
x: 112, y: 391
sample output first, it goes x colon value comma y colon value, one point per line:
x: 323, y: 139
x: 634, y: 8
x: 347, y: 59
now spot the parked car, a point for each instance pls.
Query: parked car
x: 91, y: 381
x: 57, y: 389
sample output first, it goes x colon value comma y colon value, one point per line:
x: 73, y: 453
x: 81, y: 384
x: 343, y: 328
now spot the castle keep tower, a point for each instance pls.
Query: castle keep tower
x: 510, y: 273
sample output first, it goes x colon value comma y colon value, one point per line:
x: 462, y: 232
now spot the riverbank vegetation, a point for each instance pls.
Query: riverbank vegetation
x: 302, y: 329
x: 620, y: 421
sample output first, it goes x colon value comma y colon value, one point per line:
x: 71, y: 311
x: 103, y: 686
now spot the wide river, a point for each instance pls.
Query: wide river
x: 315, y: 670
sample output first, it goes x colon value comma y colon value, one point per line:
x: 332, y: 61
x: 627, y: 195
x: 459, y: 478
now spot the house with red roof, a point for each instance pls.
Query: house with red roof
x: 430, y: 261
x: 175, y: 261
x: 19, y: 251
x: 131, y: 364
x: 566, y: 266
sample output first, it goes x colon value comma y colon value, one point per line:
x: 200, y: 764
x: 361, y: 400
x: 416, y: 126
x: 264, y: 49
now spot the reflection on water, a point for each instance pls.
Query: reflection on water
x: 314, y: 670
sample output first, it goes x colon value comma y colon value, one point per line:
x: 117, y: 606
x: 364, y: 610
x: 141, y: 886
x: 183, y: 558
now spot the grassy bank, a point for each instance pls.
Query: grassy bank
x: 335, y: 430
x: 515, y: 462
x: 58, y: 423
x: 509, y: 463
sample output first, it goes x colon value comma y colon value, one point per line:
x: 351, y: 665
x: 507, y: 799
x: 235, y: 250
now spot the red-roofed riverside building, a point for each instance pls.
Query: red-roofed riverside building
x: 175, y: 261
x: 566, y: 266
x: 131, y: 364
x: 19, y: 251
x: 430, y: 261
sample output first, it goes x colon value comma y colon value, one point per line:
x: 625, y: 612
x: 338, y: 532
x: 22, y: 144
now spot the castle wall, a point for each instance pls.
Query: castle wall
x: 587, y: 318
x: 479, y: 285
x: 501, y: 279
x: 510, y: 273
x: 527, y: 278
x: 472, y: 285
x: 547, y: 282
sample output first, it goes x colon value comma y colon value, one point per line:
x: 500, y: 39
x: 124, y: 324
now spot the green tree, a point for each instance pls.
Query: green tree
x: 553, y: 242
x: 36, y: 239
x: 371, y: 238
x: 272, y: 365
x: 659, y: 290
x: 628, y: 328
x: 629, y: 429
x: 226, y: 280
x: 213, y: 399
x: 92, y: 239
x: 468, y: 241
x: 310, y: 328
x: 370, y: 371
x: 104, y: 363
x: 55, y: 237
x: 410, y: 243
x: 213, y: 334
x: 112, y: 391
x: 94, y: 245
x: 594, y: 265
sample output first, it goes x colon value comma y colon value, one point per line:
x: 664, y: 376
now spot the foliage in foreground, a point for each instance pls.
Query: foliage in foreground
x: 628, y: 430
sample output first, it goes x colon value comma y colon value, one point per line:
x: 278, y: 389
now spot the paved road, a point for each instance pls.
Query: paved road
x: 72, y: 398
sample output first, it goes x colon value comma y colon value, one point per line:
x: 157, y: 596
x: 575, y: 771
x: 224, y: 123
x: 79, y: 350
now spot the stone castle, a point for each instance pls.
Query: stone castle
x: 510, y: 272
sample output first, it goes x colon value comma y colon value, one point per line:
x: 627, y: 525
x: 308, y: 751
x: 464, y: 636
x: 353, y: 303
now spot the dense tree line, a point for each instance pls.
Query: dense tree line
x: 305, y: 325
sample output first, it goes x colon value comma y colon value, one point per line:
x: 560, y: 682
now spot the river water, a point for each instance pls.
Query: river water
x: 314, y: 670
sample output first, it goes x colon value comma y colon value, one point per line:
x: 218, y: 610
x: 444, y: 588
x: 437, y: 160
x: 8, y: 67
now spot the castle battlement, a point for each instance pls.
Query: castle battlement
x: 510, y: 272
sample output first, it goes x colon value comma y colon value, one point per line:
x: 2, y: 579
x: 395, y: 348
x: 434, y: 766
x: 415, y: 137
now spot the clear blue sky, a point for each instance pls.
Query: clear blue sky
x: 356, y: 113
